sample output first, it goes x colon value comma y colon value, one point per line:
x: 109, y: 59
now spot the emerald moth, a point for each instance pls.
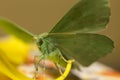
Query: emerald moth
x: 74, y: 36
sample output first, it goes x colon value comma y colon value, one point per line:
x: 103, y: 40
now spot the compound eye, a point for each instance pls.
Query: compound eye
x: 40, y: 42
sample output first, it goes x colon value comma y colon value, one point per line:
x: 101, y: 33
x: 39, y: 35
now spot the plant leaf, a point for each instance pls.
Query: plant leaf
x: 85, y: 17
x: 16, y: 30
x: 85, y: 48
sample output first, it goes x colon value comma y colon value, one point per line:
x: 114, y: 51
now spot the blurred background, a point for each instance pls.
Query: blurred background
x: 41, y: 15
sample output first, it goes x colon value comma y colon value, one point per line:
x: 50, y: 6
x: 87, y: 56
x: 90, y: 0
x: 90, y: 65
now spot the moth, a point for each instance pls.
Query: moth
x: 74, y: 36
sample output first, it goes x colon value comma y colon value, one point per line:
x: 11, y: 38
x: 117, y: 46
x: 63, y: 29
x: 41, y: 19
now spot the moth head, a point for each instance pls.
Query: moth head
x: 39, y: 39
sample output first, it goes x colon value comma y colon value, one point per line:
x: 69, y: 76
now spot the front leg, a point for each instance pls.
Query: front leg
x: 37, y: 60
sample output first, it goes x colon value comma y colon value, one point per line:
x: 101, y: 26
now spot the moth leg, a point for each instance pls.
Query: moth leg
x: 36, y: 67
x: 44, y: 64
x: 59, y: 69
x: 37, y: 60
x: 67, y: 70
x: 57, y: 64
x: 63, y: 58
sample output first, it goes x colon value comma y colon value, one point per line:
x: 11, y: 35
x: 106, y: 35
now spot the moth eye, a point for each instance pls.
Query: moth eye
x: 40, y: 42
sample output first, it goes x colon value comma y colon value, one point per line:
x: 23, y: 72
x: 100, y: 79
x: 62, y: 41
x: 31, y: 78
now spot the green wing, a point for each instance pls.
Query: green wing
x: 16, y: 30
x: 86, y: 16
x: 84, y: 48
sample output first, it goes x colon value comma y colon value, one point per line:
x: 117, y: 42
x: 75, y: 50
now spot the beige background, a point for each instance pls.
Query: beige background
x: 41, y: 15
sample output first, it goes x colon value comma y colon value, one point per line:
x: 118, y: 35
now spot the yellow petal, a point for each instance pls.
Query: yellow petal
x: 9, y: 70
x: 3, y: 77
x: 15, y: 49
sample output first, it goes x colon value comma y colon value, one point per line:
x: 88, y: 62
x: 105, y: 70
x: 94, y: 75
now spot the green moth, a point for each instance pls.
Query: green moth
x: 74, y: 36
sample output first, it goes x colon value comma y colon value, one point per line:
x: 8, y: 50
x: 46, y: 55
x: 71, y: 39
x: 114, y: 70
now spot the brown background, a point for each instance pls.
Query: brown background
x: 41, y: 15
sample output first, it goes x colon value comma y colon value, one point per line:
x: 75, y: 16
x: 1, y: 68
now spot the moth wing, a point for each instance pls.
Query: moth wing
x: 16, y: 30
x: 85, y: 16
x: 84, y: 48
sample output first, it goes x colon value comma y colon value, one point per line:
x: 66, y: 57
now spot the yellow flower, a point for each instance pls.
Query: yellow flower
x: 15, y: 49
x: 10, y: 70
